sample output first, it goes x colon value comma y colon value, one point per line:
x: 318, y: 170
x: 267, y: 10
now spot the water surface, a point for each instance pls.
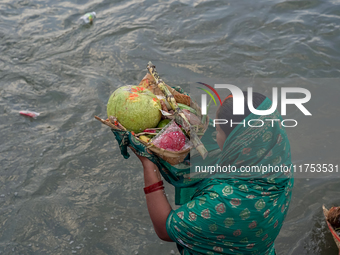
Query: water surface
x: 64, y: 187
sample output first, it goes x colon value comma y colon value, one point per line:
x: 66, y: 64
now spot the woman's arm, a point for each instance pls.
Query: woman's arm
x: 157, y: 203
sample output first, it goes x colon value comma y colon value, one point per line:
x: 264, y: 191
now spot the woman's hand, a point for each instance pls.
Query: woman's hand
x: 158, y: 205
x: 145, y: 161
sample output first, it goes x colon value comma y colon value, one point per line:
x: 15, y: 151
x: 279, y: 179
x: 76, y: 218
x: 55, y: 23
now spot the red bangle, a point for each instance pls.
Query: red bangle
x: 153, y: 190
x: 154, y: 187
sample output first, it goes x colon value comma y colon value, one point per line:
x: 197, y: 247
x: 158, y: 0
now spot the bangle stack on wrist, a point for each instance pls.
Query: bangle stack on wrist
x: 154, y: 187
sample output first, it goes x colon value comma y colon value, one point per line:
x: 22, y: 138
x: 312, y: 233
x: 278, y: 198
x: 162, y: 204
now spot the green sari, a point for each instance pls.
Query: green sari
x: 239, y: 212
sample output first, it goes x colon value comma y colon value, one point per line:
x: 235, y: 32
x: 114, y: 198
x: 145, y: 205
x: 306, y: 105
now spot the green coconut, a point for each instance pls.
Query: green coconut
x: 135, y: 107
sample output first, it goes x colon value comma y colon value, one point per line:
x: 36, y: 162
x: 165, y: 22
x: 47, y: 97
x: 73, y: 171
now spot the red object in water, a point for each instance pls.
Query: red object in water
x: 30, y: 114
x: 173, y: 141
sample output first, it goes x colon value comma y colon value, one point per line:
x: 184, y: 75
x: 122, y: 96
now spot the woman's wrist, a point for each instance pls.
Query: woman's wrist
x: 154, y: 187
x: 145, y: 161
x: 147, y: 164
x: 151, y: 173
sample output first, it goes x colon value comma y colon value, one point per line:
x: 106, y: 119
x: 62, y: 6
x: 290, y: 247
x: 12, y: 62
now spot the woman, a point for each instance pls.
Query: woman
x: 231, y: 213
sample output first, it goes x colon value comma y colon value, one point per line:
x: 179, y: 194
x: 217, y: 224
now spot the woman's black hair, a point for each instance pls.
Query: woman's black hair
x: 226, y: 110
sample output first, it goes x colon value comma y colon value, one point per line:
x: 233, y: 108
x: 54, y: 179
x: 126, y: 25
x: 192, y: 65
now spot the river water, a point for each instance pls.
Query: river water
x: 65, y: 188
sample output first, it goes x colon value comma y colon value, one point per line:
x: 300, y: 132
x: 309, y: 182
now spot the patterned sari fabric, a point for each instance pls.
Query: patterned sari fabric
x: 239, y: 212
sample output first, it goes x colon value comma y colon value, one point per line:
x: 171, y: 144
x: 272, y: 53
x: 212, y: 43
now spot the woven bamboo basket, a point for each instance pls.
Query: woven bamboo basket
x: 172, y: 157
x: 334, y: 234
